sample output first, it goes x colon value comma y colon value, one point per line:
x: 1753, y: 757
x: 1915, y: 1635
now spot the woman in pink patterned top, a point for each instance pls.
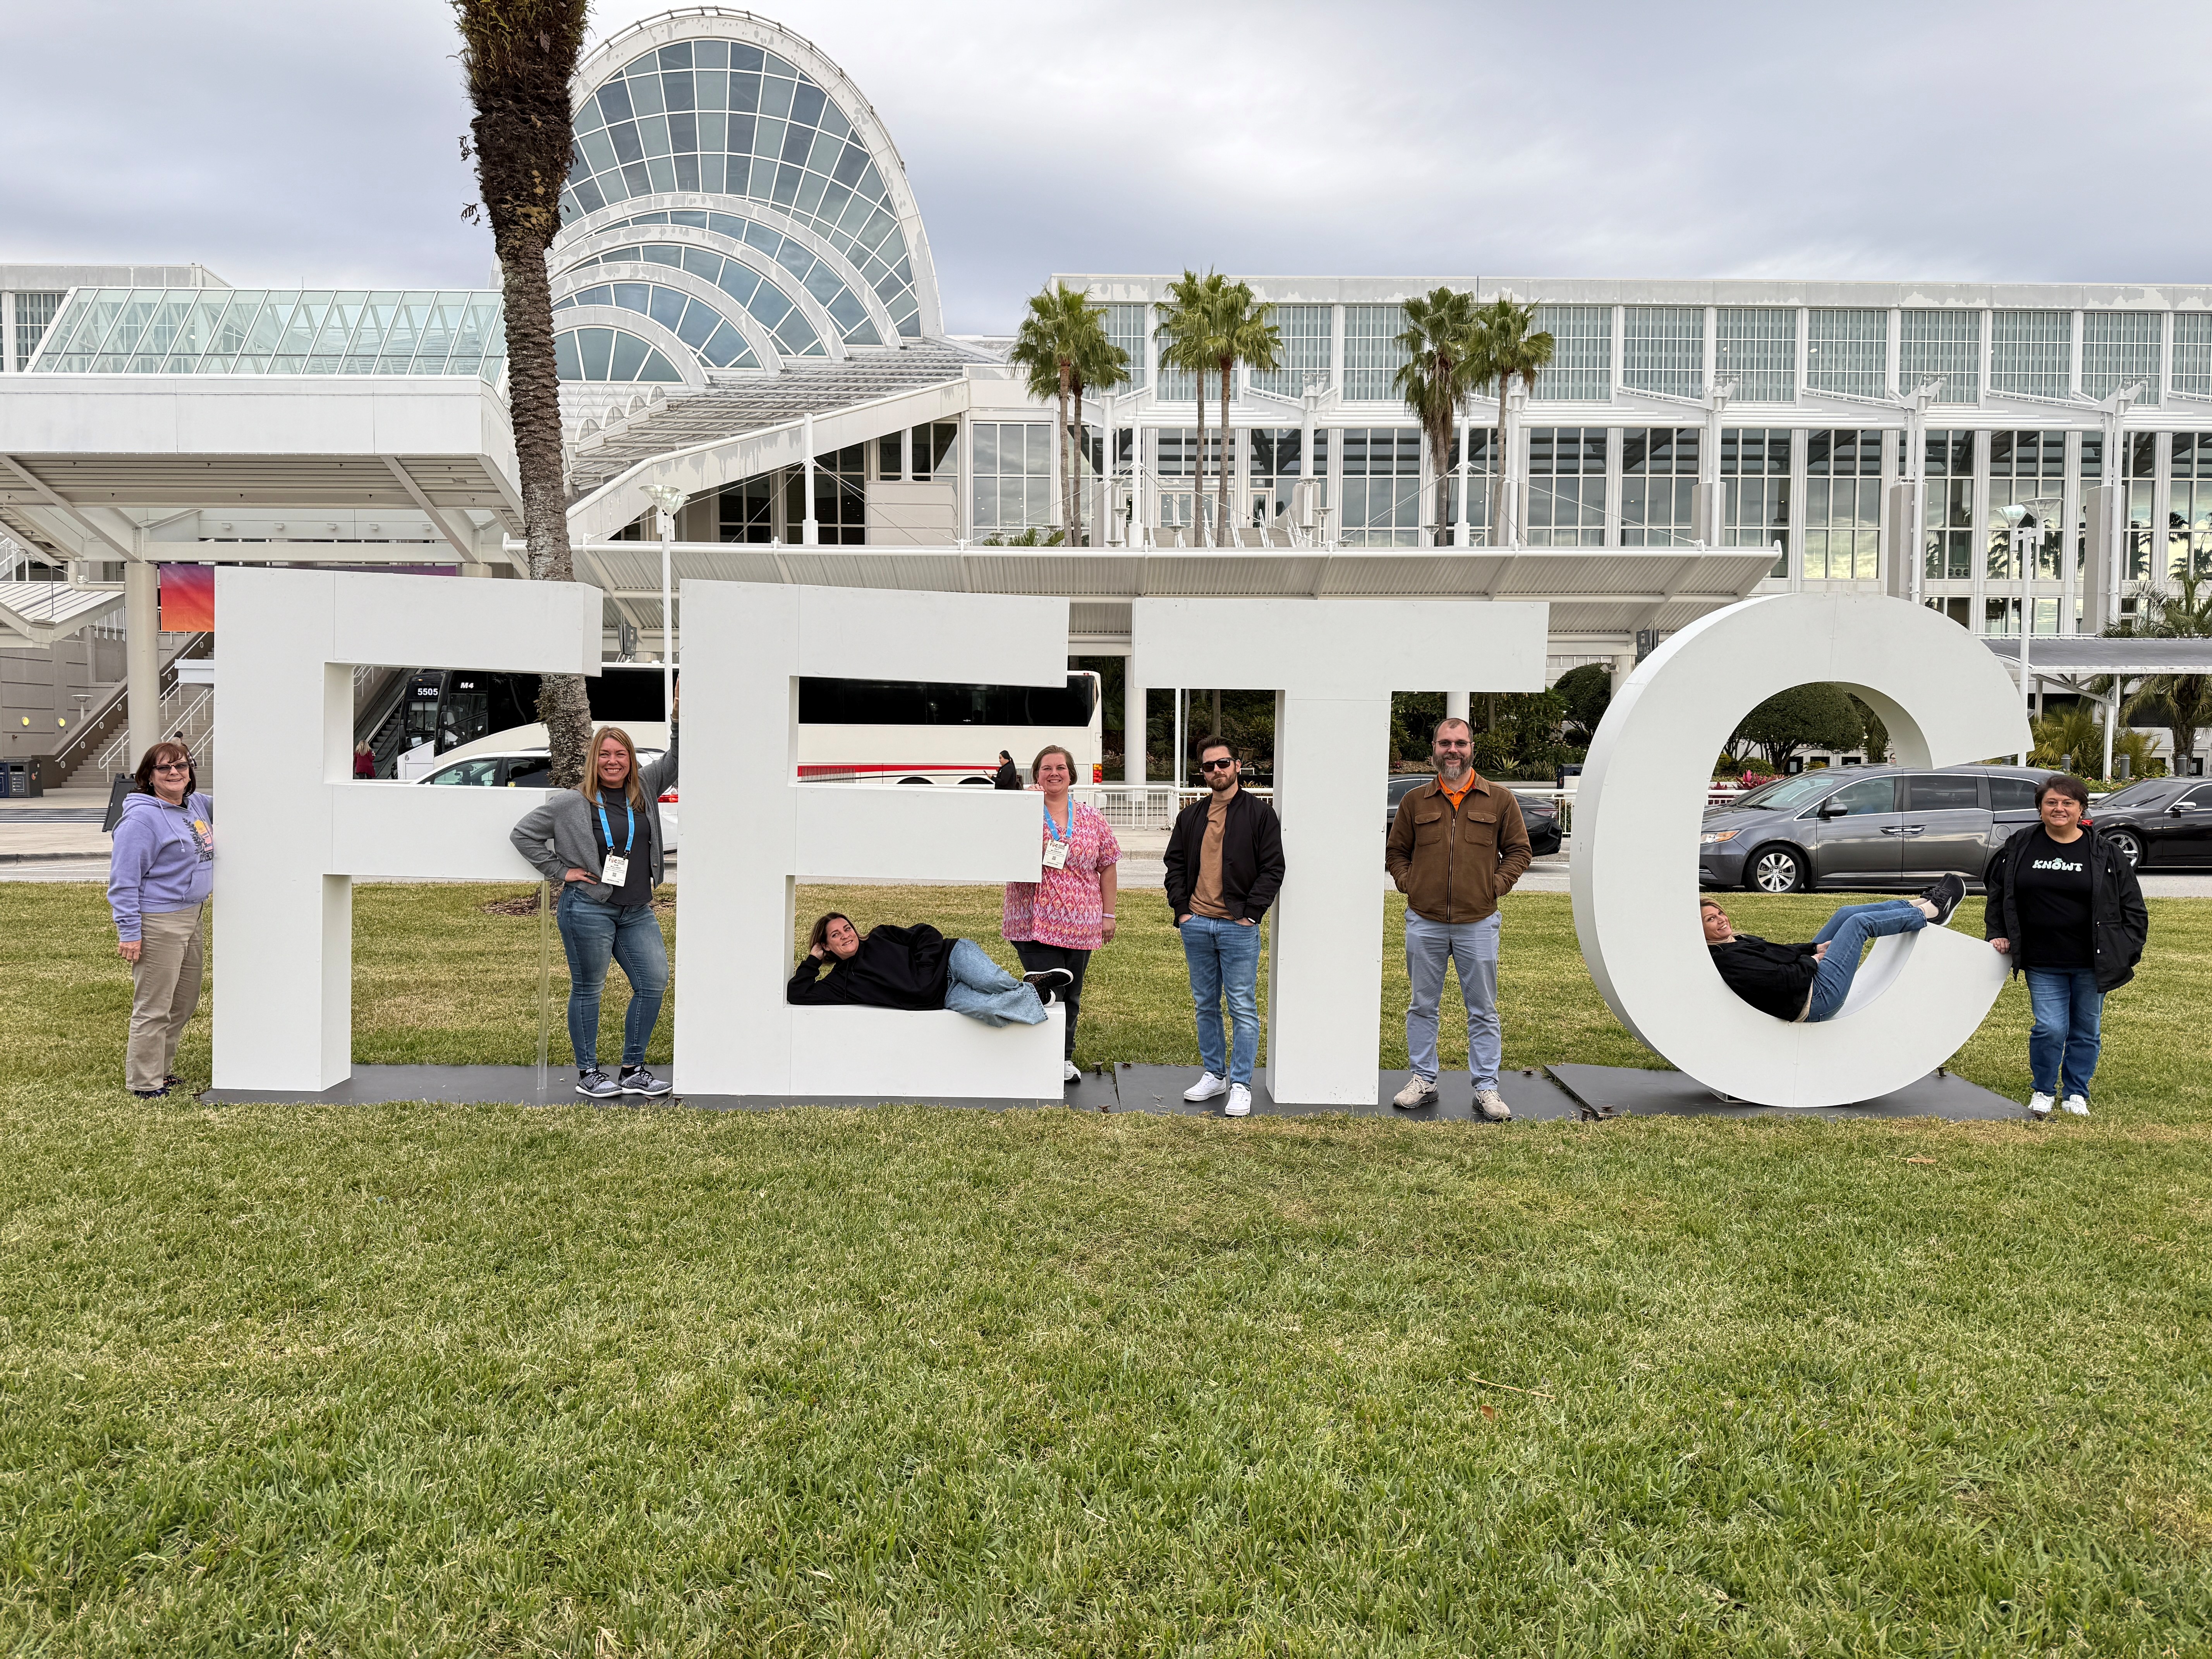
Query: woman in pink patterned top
x: 1058, y: 920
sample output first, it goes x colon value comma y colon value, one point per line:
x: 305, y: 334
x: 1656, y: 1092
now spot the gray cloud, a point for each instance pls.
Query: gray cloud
x: 278, y: 143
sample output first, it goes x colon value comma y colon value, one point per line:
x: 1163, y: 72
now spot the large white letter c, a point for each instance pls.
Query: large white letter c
x: 1945, y: 699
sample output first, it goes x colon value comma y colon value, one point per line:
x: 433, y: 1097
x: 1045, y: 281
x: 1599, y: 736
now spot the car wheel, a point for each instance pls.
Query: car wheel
x: 1774, y: 869
x: 2127, y: 844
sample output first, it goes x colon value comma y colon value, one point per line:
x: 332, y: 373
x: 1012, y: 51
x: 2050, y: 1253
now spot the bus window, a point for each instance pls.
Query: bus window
x: 924, y: 703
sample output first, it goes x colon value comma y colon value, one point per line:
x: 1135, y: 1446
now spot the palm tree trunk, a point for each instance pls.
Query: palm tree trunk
x: 1440, y: 457
x: 1198, y: 461
x: 1066, y: 518
x: 1077, y: 539
x: 1497, y: 461
x: 1228, y: 368
x: 520, y: 56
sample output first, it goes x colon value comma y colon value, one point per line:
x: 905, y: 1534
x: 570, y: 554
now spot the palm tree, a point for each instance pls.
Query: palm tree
x: 1243, y: 333
x: 1509, y: 343
x: 2181, y: 702
x: 1101, y: 364
x: 1050, y: 339
x: 1443, y: 366
x: 520, y: 56
x: 1186, y: 334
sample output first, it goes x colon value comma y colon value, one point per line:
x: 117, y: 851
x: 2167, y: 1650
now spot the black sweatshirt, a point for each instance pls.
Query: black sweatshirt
x: 894, y: 967
x: 1775, y: 979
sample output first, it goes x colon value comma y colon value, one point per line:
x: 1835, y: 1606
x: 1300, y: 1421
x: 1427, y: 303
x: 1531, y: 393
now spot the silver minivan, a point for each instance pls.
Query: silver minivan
x: 1866, y: 827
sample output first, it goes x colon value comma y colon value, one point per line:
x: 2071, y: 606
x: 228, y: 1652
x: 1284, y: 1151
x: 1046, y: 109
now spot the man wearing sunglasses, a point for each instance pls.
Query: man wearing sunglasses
x: 1224, y: 867
x: 1455, y: 848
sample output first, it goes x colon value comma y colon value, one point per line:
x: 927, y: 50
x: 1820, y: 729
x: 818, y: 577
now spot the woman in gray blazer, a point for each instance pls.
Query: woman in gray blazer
x: 602, y: 842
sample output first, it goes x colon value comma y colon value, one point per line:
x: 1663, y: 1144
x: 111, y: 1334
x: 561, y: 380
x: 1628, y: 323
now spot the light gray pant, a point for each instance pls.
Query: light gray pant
x: 165, y: 987
x: 1473, y: 946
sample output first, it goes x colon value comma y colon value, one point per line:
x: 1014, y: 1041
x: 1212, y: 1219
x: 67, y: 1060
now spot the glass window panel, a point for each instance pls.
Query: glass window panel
x: 1758, y: 345
x: 1948, y: 344
x: 1663, y: 349
x: 1847, y: 351
x: 1580, y: 369
x: 2030, y: 352
x: 2119, y: 348
x: 1305, y: 351
x: 1372, y: 356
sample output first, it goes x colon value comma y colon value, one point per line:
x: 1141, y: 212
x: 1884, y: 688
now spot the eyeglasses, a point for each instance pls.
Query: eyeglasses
x: 1215, y: 765
x: 173, y: 766
x: 1454, y: 742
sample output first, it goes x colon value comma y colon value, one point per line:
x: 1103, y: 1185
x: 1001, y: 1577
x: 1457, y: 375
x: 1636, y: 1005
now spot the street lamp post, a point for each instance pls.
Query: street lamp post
x: 669, y: 500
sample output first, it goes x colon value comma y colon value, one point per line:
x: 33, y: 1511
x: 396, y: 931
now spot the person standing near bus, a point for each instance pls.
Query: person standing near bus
x: 1223, y: 868
x: 158, y: 879
x: 1006, y: 777
x: 1060, y: 918
x: 602, y: 842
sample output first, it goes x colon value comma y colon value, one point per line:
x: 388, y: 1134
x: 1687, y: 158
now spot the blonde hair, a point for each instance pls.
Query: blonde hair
x: 632, y: 785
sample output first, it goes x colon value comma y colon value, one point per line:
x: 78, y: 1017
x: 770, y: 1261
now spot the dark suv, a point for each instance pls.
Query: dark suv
x: 1866, y: 826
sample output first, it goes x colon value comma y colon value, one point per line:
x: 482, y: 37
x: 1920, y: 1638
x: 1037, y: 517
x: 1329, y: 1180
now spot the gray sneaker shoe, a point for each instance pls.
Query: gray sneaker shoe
x: 596, y: 1085
x: 1418, y: 1091
x: 636, y: 1080
x: 1492, y: 1105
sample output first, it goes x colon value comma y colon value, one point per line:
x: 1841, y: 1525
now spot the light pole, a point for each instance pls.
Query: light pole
x: 670, y: 500
x: 2025, y: 521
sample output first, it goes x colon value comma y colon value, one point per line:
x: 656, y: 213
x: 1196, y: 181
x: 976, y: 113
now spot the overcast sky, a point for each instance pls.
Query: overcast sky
x: 282, y: 144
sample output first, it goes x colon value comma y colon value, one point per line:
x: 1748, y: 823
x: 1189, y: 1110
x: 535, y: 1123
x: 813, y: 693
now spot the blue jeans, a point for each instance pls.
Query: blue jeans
x: 1847, y: 934
x: 591, y: 933
x: 1473, y: 946
x: 1224, y: 957
x: 977, y: 987
x: 2062, y: 1043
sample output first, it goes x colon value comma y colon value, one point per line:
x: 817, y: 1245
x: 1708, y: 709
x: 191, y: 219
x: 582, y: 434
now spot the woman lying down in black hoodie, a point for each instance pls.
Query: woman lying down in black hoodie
x: 916, y: 968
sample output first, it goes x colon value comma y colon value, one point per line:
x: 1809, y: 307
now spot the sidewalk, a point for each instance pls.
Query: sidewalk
x: 62, y: 824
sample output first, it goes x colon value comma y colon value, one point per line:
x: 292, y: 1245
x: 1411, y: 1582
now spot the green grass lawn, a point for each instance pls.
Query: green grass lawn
x: 438, y: 1379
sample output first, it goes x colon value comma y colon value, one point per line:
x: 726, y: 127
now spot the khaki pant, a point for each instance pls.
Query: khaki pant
x: 165, y: 990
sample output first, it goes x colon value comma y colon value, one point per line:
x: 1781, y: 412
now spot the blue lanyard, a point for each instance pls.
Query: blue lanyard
x: 607, y: 832
x: 1054, y: 830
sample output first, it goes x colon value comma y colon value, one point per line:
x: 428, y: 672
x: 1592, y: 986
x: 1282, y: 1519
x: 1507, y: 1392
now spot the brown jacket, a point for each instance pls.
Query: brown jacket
x: 1454, y: 866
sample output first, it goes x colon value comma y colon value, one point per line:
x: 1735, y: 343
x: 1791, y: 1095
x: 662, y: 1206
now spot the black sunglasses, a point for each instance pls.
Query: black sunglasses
x: 1216, y: 765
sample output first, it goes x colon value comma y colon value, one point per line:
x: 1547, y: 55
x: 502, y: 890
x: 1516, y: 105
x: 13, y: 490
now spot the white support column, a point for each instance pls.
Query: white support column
x: 1462, y: 536
x: 2074, y: 356
x: 142, y: 656
x: 1455, y: 705
x: 1893, y: 353
x: 811, y: 535
x: 1133, y: 721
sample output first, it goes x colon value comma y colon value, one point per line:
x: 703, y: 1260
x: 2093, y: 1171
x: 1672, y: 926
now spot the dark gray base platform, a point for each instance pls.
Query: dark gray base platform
x: 1631, y: 1091
x: 1570, y: 1091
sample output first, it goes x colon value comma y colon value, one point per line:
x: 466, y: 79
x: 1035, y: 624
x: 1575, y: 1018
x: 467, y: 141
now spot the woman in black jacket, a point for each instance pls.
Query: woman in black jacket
x: 916, y: 968
x: 2065, y: 906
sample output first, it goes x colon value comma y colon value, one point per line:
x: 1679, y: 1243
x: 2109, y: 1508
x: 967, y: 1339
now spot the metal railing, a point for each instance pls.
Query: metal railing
x: 189, y: 709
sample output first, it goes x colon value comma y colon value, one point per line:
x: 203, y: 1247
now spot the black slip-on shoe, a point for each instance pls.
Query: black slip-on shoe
x: 1048, y: 979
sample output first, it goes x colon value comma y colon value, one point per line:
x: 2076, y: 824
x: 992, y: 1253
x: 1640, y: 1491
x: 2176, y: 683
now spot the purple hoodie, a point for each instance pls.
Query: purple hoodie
x: 164, y: 859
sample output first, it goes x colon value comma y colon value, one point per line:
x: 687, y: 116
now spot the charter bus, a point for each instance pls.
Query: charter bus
x: 849, y: 731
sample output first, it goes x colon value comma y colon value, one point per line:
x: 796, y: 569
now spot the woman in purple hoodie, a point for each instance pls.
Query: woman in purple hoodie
x: 157, y: 887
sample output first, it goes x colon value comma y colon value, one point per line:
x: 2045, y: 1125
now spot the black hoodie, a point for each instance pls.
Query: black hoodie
x: 894, y: 967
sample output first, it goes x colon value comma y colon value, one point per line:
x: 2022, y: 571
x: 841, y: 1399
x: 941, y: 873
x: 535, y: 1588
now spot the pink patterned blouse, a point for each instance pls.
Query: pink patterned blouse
x: 1063, y: 908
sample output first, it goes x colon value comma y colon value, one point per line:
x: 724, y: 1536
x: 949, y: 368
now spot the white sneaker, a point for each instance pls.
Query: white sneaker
x: 1208, y: 1087
x: 1071, y: 1074
x: 2039, y: 1105
x: 1418, y: 1091
x: 2077, y: 1105
x: 1492, y: 1105
x: 1240, y: 1102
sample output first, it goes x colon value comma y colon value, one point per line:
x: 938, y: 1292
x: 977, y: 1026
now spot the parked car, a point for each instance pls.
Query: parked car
x: 527, y: 769
x: 1539, y: 812
x: 2162, y: 822
x: 1866, y: 826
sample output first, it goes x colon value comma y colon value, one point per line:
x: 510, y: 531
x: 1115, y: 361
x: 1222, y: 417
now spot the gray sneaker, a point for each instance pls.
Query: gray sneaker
x: 1492, y: 1105
x: 596, y: 1085
x: 1418, y: 1091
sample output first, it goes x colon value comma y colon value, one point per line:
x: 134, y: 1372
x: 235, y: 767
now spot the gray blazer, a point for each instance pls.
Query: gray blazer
x: 556, y: 837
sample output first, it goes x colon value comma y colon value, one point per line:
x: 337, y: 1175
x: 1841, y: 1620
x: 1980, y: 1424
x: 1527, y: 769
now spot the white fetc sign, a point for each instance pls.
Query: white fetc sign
x: 1945, y: 699
x: 297, y: 828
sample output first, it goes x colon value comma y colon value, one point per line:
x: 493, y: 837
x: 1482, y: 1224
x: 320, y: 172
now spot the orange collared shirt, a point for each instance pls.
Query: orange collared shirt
x: 1464, y: 789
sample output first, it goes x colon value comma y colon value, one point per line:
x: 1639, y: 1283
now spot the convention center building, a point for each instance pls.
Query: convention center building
x: 749, y: 316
